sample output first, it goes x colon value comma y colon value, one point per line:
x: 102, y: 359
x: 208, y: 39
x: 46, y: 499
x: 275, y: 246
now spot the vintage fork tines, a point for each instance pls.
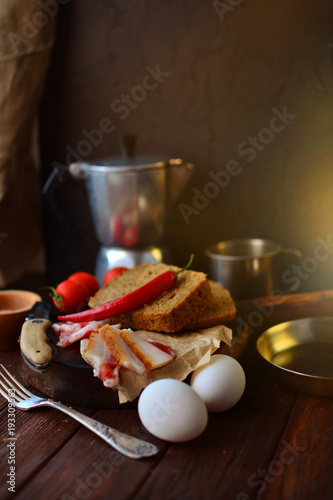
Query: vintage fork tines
x: 13, y: 385
x: 25, y: 400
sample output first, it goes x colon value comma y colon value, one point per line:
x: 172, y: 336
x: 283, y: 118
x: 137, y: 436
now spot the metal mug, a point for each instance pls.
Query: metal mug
x: 253, y: 267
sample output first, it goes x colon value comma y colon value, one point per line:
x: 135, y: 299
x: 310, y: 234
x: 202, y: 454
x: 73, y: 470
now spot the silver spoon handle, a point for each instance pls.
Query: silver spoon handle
x: 127, y: 445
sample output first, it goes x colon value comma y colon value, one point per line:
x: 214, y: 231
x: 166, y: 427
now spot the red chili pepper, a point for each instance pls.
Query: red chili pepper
x: 133, y: 300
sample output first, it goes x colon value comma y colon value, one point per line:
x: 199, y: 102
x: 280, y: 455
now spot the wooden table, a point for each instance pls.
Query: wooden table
x: 274, y: 444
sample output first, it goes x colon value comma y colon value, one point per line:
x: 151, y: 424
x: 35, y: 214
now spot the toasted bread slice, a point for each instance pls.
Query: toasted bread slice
x: 220, y: 311
x: 171, y: 311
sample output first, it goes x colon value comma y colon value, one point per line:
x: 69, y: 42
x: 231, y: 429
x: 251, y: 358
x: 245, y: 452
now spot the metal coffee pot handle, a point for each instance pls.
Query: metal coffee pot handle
x: 59, y: 178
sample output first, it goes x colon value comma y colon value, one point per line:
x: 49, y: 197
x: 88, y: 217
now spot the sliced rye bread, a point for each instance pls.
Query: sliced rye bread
x: 171, y: 311
x: 220, y: 311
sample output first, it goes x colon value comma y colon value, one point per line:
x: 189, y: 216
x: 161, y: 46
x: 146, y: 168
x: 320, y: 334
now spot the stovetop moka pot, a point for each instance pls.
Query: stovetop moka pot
x: 128, y: 196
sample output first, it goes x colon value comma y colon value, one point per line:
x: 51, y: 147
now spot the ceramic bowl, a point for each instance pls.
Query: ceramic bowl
x: 14, y: 307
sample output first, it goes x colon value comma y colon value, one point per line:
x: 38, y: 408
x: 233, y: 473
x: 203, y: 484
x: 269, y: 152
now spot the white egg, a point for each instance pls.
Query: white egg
x: 220, y: 383
x: 172, y: 410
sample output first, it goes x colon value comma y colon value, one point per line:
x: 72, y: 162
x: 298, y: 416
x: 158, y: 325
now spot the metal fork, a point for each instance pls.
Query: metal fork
x: 19, y: 396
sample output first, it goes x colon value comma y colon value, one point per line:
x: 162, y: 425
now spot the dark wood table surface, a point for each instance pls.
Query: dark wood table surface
x: 276, y: 443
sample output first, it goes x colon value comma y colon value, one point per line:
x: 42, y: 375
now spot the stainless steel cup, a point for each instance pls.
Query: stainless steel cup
x: 252, y: 267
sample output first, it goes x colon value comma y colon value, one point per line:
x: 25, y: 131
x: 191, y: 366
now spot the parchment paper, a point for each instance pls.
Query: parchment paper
x: 192, y: 349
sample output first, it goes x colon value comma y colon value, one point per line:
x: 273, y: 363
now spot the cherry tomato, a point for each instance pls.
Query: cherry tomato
x: 131, y: 236
x: 72, y: 294
x: 69, y: 296
x: 86, y: 280
x: 112, y: 273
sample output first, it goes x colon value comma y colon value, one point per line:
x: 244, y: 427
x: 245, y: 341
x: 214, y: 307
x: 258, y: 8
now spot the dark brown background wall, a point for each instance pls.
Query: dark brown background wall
x: 225, y: 70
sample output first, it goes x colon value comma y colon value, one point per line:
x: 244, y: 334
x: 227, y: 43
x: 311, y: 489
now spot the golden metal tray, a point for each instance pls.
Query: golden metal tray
x: 300, y: 353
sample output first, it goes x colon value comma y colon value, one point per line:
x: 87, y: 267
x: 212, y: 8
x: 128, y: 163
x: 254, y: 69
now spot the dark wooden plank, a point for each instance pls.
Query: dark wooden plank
x: 86, y: 467
x: 256, y: 315
x: 302, y: 465
x: 39, y: 434
x: 11, y: 359
x: 225, y: 462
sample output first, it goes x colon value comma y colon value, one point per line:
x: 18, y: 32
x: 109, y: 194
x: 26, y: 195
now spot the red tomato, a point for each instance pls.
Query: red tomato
x: 69, y: 296
x: 72, y: 294
x: 112, y: 273
x: 87, y: 280
x: 131, y: 236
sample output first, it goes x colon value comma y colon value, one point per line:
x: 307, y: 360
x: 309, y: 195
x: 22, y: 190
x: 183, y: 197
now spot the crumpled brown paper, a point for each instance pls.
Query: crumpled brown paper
x: 192, y: 349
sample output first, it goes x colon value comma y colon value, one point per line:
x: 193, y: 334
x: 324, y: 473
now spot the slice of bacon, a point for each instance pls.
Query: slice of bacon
x: 72, y: 332
x: 152, y: 354
x: 95, y: 352
x: 120, y: 350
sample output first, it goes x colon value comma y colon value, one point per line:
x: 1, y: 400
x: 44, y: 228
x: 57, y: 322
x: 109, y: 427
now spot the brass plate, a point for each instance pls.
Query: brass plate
x: 300, y: 353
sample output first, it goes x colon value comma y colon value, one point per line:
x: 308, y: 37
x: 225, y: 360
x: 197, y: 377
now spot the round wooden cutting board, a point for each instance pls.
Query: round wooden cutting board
x: 69, y: 379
